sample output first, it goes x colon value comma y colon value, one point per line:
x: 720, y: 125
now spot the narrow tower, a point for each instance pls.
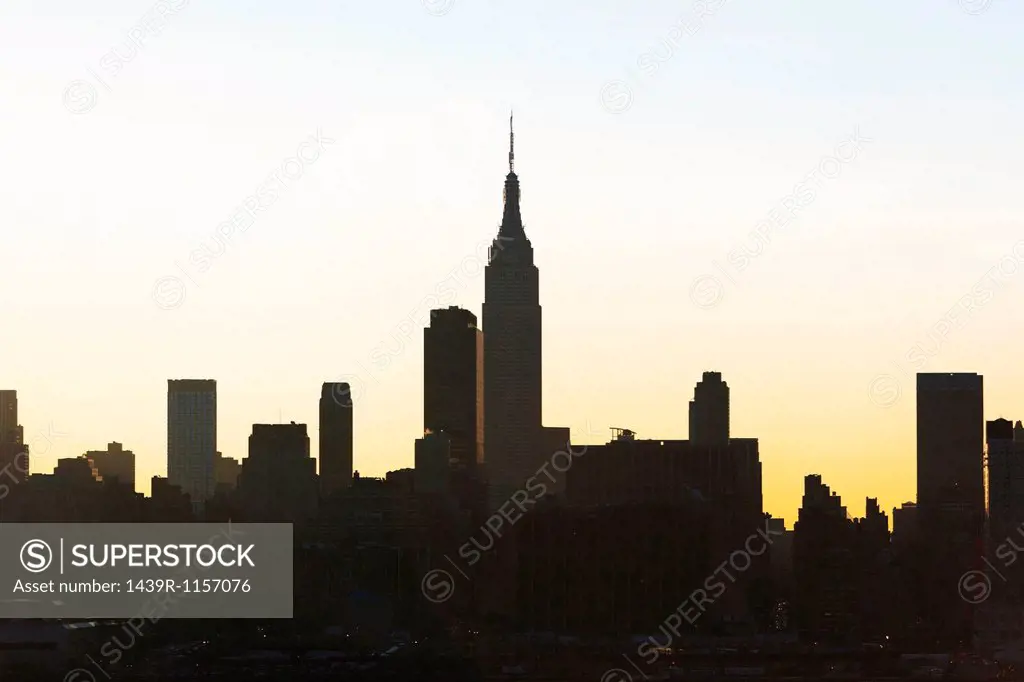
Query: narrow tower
x: 335, y: 437
x: 709, y: 411
x: 512, y: 351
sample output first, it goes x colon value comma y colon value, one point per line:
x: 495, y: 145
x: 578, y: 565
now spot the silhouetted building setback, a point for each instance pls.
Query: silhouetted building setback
x: 192, y: 437
x: 709, y: 411
x: 77, y: 471
x: 278, y: 479
x: 453, y: 382
x: 335, y: 437
x: 823, y: 562
x: 115, y: 463
x: 512, y: 353
x: 225, y: 472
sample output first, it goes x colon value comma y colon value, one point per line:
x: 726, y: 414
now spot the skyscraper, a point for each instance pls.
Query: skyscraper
x: 192, y: 437
x: 13, y: 451
x: 512, y: 352
x: 278, y: 478
x: 1005, y: 477
x: 950, y: 500
x: 335, y: 437
x: 950, y: 443
x: 453, y: 382
x: 709, y: 411
x: 10, y: 432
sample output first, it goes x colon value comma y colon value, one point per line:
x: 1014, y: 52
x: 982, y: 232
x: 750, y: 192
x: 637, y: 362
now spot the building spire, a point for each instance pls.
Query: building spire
x: 511, y: 145
x: 511, y: 235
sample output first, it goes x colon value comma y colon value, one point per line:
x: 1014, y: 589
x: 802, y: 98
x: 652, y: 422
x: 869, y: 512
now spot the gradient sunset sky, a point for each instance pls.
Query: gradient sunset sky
x: 651, y: 141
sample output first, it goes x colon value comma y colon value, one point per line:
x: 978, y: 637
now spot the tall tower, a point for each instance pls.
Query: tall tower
x: 512, y: 352
x: 950, y: 443
x: 13, y: 451
x: 453, y: 387
x: 709, y: 411
x: 10, y: 432
x: 192, y: 437
x: 335, y: 437
x: 950, y: 499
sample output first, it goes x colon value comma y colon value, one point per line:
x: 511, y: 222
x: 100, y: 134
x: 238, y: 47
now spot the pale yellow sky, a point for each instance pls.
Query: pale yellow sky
x: 629, y: 196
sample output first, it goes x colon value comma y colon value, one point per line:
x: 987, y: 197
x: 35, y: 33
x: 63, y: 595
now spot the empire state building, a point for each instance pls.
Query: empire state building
x: 512, y: 349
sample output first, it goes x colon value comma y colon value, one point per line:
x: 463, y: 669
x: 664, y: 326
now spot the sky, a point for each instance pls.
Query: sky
x: 816, y: 199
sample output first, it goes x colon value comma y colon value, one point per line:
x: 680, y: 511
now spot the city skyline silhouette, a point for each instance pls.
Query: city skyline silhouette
x: 682, y: 333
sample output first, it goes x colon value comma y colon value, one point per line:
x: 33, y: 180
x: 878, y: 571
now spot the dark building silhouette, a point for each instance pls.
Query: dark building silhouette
x: 73, y: 493
x: 453, y: 382
x: 610, y: 570
x: 783, y: 582
x: 876, y: 587
x: 907, y: 552
x: 278, y: 479
x: 335, y: 438
x: 631, y: 471
x: 432, y: 460
x: 626, y: 472
x: 1005, y: 450
x: 904, y: 526
x: 512, y: 353
x: 114, y: 463
x: 950, y: 445
x: 14, y: 457
x: 10, y: 431
x: 709, y: 411
x: 168, y: 502
x: 192, y: 437
x: 376, y: 510
x: 950, y: 500
x: 1005, y: 478
x: 824, y: 565
x: 225, y: 473
x: 77, y: 470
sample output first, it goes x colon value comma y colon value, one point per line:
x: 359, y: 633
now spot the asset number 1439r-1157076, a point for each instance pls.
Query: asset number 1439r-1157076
x: 193, y: 586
